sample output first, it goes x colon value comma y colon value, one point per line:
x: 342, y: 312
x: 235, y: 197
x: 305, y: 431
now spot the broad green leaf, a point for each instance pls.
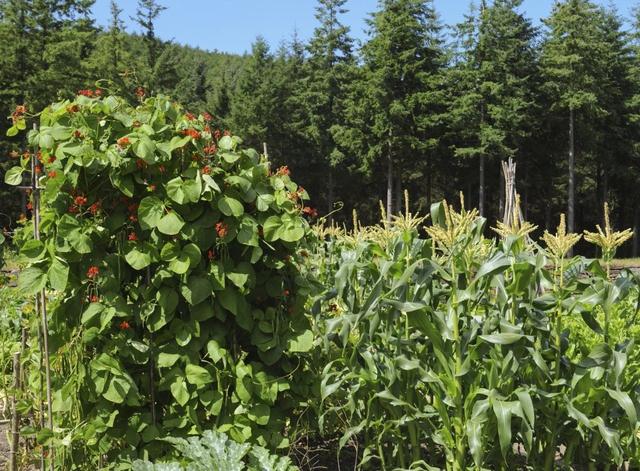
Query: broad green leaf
x: 260, y: 414
x: 32, y: 280
x: 291, y: 233
x: 271, y: 228
x: 230, y: 157
x: 32, y: 249
x: 150, y: 212
x: 13, y: 176
x: 175, y: 190
x: 192, y: 190
x: 80, y: 241
x: 180, y: 265
x: 117, y: 390
x: 193, y: 253
x: 92, y: 311
x: 167, y: 360
x: 58, y: 274
x: 144, y: 148
x: 264, y: 201
x: 137, y: 258
x: 179, y: 390
x: 197, y: 375
x: 230, y: 206
x: 302, y: 343
x: 196, y: 289
x: 171, y: 223
x: 167, y: 299
x: 225, y: 143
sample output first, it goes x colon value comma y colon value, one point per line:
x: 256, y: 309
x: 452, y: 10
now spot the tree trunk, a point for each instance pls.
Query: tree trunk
x: 398, y: 191
x: 429, y: 184
x: 636, y: 235
x: 572, y: 177
x: 605, y: 185
x: 330, y: 196
x: 389, y: 187
x: 503, y: 181
x: 481, y: 185
x: 525, y: 191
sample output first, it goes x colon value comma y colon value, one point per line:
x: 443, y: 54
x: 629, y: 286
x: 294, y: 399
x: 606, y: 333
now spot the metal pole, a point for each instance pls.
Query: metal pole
x: 41, y: 300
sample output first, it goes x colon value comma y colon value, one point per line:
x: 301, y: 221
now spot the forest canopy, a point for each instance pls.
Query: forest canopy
x: 420, y: 106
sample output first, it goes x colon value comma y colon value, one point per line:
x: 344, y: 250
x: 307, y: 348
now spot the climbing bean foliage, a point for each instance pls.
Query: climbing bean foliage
x: 455, y: 354
x: 170, y: 255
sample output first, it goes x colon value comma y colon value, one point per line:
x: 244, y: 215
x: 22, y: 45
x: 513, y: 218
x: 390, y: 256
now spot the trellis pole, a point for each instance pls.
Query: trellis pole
x: 510, y: 194
x: 41, y: 301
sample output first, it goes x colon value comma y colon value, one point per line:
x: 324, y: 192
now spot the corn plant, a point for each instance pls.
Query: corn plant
x: 451, y: 352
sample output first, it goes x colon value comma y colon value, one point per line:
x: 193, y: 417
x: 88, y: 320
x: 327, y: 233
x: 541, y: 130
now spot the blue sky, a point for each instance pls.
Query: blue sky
x: 232, y: 25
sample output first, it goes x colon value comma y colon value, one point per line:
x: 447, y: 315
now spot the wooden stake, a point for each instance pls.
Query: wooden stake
x: 15, y: 415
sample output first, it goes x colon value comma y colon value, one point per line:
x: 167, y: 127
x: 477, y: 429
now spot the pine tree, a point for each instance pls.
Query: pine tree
x: 147, y: 13
x: 253, y: 101
x: 392, y: 106
x: 116, y: 29
x: 111, y: 58
x: 328, y: 74
x: 493, y: 95
x: 193, y: 87
x: 572, y: 64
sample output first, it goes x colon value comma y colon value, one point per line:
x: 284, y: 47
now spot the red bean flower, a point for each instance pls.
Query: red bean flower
x: 282, y: 171
x: 52, y: 174
x: 222, y: 229
x: 95, y: 207
x: 124, y: 325
x: 193, y: 133
x: 123, y: 141
x: 311, y: 212
x: 93, y: 272
x: 80, y: 200
x: 133, y: 237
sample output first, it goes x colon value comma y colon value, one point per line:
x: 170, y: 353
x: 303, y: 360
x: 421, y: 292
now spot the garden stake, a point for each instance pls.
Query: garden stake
x: 41, y: 304
x: 15, y: 415
x: 152, y: 385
